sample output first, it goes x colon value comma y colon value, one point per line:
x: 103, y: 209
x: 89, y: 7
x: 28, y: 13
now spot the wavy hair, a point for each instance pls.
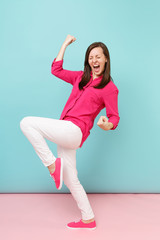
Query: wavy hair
x: 87, y: 69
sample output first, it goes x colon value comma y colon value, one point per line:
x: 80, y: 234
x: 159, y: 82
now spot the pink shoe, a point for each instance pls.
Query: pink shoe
x: 58, y: 173
x: 80, y: 225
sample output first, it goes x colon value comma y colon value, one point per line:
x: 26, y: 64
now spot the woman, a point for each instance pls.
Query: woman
x: 92, y: 90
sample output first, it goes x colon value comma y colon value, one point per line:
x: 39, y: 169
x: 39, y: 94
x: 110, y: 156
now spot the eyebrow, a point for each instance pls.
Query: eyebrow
x: 96, y: 55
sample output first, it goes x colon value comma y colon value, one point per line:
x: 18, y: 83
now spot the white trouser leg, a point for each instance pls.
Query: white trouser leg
x: 72, y: 182
x: 61, y: 132
x: 68, y: 137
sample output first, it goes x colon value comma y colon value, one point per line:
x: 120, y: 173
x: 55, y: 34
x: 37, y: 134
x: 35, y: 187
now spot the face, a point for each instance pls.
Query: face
x: 97, y: 61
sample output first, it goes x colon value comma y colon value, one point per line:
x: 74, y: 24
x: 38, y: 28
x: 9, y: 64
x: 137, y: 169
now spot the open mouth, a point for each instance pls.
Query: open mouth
x: 96, y: 68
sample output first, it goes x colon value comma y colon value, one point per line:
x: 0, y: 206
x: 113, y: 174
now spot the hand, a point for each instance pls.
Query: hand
x: 69, y: 39
x: 104, y: 124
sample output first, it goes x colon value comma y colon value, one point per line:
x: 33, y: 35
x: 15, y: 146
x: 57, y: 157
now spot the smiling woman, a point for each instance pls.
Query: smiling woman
x: 97, y: 63
x: 92, y: 91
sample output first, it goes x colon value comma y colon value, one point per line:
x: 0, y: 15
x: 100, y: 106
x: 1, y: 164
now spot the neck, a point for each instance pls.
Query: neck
x: 95, y: 76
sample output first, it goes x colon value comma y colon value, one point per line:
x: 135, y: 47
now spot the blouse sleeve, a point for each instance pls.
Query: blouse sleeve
x: 111, y: 104
x: 66, y: 75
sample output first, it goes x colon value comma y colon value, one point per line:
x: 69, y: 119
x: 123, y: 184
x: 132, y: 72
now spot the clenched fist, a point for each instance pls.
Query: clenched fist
x: 104, y: 124
x: 69, y: 39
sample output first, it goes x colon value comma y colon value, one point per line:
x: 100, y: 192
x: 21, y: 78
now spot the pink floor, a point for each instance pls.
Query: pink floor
x: 44, y: 217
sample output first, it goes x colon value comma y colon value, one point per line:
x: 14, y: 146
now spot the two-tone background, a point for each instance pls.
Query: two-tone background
x: 126, y: 160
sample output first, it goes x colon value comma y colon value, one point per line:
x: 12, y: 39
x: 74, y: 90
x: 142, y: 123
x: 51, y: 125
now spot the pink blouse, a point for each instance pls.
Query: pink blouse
x: 83, y: 106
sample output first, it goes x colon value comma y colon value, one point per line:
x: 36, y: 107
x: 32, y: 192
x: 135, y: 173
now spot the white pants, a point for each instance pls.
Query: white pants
x: 68, y: 137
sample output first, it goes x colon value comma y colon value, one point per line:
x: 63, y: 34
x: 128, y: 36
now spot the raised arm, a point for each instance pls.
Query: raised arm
x: 57, y: 65
x: 69, y: 39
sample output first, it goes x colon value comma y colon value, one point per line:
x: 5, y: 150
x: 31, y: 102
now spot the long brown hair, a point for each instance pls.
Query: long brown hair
x: 87, y: 69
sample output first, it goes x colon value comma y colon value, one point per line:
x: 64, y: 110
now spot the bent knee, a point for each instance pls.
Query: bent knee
x: 25, y: 122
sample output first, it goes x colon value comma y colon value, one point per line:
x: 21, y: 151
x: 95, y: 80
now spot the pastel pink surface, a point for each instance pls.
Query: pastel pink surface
x: 45, y: 216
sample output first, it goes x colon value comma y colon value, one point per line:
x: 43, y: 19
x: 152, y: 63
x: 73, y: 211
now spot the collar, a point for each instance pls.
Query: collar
x: 92, y: 82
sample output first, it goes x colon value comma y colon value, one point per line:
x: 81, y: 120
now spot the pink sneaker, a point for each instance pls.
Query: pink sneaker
x: 58, y: 173
x: 80, y: 225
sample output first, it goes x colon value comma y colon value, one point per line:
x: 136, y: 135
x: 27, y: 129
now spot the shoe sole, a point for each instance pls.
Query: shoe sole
x: 82, y: 228
x: 61, y: 174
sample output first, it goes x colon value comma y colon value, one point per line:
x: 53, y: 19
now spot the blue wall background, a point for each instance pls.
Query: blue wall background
x: 126, y: 160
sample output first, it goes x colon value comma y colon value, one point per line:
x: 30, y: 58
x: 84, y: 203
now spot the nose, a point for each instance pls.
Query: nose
x: 94, y: 60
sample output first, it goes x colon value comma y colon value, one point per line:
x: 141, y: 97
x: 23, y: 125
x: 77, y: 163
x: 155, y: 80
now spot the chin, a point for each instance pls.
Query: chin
x: 98, y: 74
